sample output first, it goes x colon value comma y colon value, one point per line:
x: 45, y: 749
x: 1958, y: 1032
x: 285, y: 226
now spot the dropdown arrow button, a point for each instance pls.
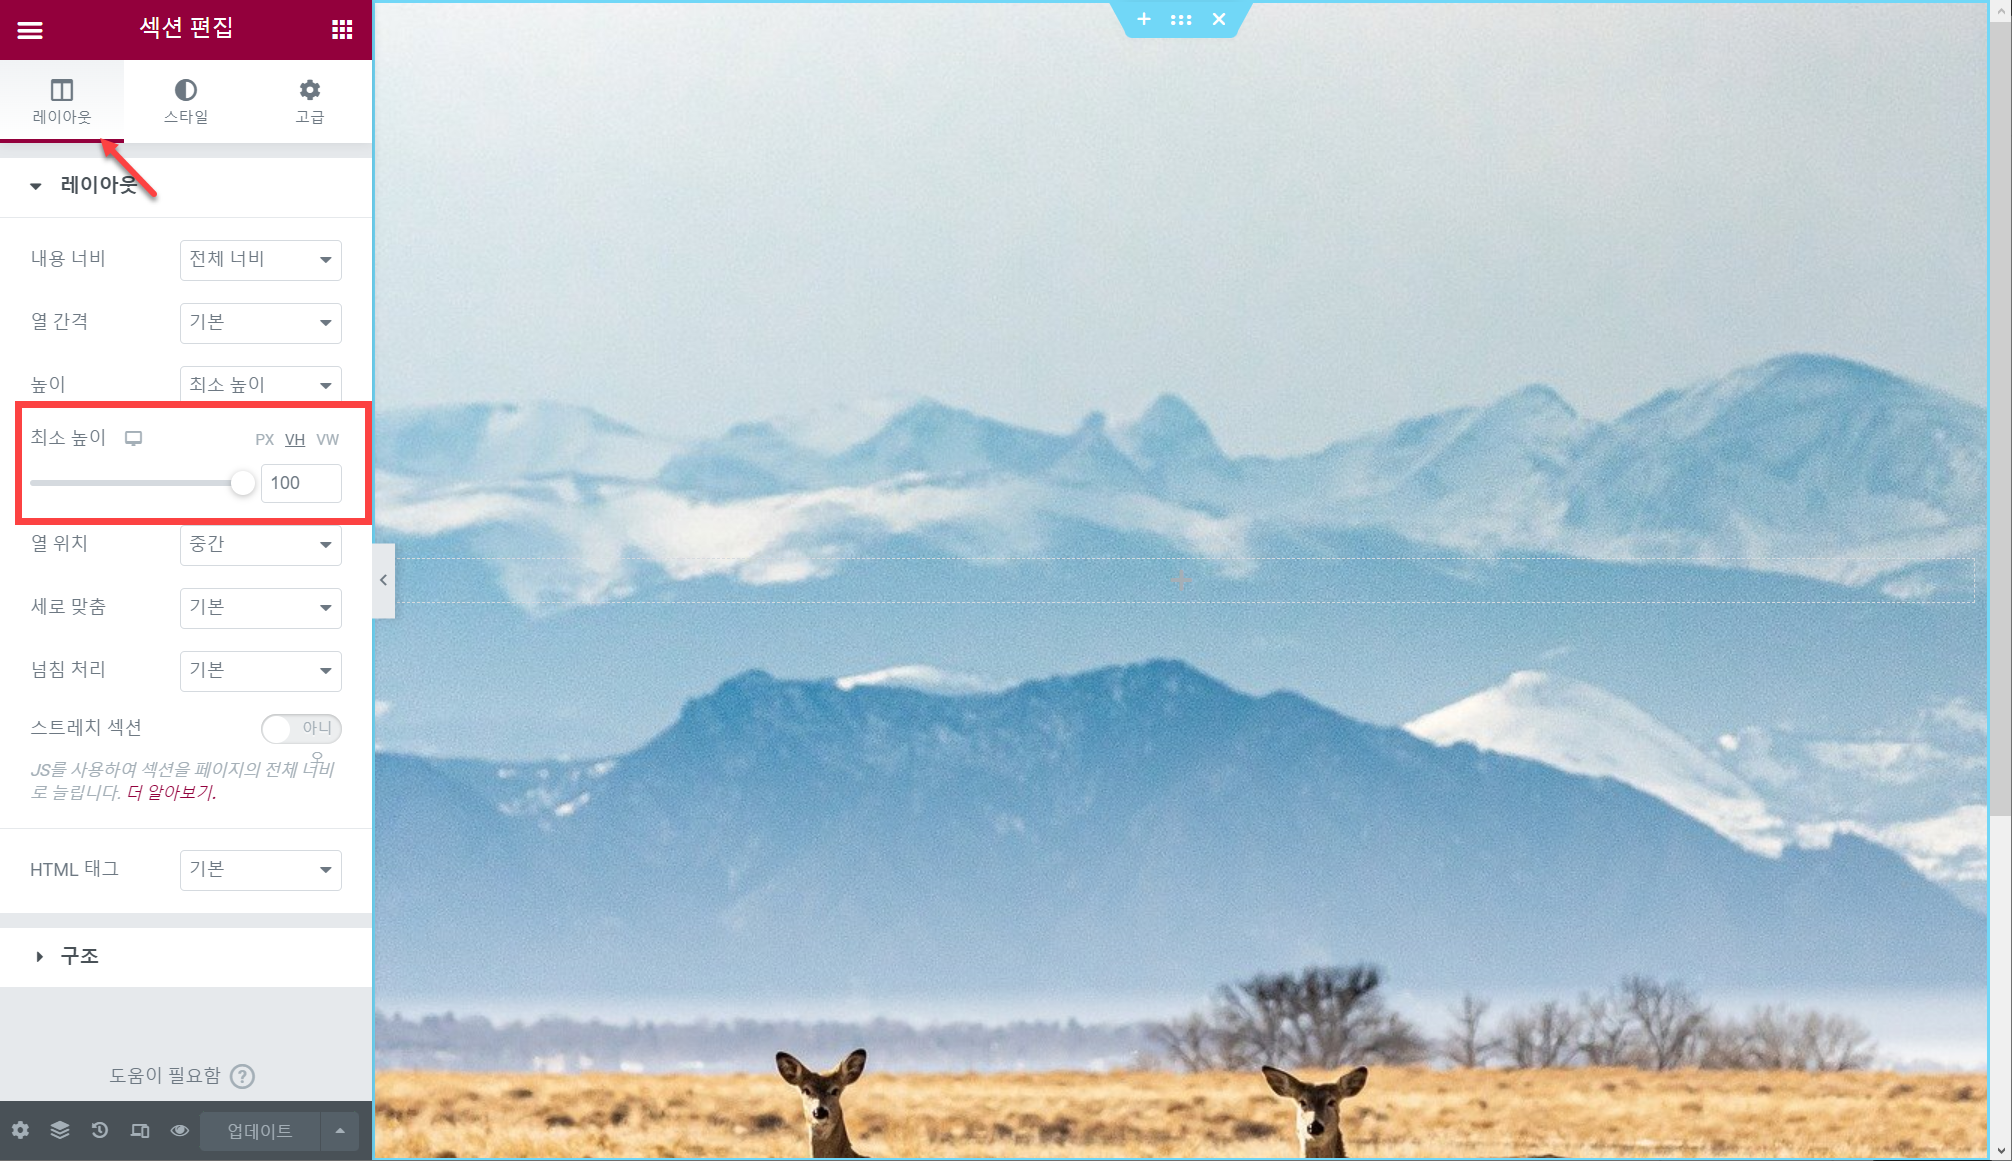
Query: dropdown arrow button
x: 324, y: 608
x: 324, y: 544
x: 324, y: 870
x: 35, y: 185
x: 324, y: 322
x: 324, y: 258
x: 324, y: 668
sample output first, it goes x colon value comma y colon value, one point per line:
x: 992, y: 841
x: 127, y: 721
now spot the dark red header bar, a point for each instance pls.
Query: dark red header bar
x: 185, y: 30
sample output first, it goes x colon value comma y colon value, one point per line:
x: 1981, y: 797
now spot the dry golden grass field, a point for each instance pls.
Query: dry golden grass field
x: 1405, y: 1112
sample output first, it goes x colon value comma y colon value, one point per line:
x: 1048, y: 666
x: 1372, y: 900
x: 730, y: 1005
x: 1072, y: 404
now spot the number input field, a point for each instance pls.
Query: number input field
x: 300, y: 483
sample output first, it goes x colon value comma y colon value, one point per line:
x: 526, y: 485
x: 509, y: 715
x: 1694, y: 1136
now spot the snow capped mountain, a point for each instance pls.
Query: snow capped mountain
x: 927, y: 678
x: 1949, y: 848
x: 1586, y: 730
x: 930, y: 439
x: 1803, y: 463
x: 1178, y: 455
x: 495, y: 443
x: 1765, y: 789
x: 1806, y: 465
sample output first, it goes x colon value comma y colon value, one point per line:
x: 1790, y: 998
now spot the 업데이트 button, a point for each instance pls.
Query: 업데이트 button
x: 263, y: 1131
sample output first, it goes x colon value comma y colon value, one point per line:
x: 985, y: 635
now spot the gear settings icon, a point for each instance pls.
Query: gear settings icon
x: 20, y: 1130
x: 309, y: 89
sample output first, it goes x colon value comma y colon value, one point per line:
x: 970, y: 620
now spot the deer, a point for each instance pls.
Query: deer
x: 820, y: 1092
x: 1319, y: 1108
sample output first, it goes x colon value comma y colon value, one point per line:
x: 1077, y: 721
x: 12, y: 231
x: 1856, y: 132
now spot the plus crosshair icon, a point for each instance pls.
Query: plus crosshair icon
x: 1183, y: 579
x: 1143, y: 18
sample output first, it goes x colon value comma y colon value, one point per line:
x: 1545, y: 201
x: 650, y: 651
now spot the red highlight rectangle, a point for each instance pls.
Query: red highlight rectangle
x: 20, y: 415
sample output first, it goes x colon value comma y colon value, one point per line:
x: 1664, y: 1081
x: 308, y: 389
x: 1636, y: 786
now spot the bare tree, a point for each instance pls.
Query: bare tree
x: 1606, y: 1035
x: 1544, y: 1036
x: 1316, y: 1018
x: 1324, y: 1017
x: 1733, y: 1044
x: 1189, y: 1042
x: 1835, y: 1043
x: 1467, y: 1044
x: 1667, y: 1015
x: 1784, y: 1038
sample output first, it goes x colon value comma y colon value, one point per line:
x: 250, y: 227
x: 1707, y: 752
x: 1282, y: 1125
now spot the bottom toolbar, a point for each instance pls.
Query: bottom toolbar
x: 169, y: 1130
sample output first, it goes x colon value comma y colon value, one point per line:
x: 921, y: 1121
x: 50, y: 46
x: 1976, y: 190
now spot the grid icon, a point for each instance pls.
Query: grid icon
x: 342, y: 30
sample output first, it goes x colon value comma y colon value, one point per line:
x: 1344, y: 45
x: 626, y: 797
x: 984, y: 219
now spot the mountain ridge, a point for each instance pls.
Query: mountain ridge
x: 1810, y: 465
x: 1137, y: 827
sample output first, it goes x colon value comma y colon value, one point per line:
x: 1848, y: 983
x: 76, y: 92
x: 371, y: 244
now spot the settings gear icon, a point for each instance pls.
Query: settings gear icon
x: 310, y: 89
x: 20, y: 1130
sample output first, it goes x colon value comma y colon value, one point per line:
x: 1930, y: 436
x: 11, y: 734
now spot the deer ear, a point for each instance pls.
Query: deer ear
x: 1282, y: 1082
x: 791, y: 1068
x: 852, y: 1066
x: 1352, y: 1082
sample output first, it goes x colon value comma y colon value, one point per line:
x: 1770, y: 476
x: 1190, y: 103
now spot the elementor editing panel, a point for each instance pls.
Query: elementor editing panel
x: 185, y: 957
x: 1005, y: 580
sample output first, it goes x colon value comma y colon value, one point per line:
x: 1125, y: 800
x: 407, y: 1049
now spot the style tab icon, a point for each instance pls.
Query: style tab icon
x: 185, y: 90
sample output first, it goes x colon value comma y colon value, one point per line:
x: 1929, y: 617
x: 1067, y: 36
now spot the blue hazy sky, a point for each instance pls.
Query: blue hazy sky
x: 693, y: 215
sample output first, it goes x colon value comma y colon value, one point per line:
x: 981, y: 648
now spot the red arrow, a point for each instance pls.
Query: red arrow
x: 112, y: 150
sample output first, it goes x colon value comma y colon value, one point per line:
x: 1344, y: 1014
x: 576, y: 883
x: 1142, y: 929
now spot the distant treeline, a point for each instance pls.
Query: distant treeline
x: 1322, y: 1017
x: 1326, y: 1017
x: 565, y: 1045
